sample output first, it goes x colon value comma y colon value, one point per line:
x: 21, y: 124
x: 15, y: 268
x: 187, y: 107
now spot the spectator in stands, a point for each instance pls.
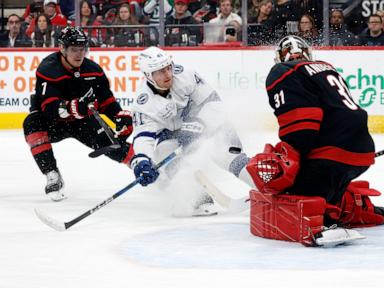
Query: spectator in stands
x: 126, y: 36
x: 381, y: 14
x: 32, y: 10
x: 261, y: 27
x: 339, y: 35
x: 57, y: 19
x: 182, y: 35
x: 308, y: 30
x: 314, y: 8
x: 253, y: 9
x: 67, y: 7
x: 375, y: 35
x: 13, y: 36
x: 151, y: 11
x: 87, y: 18
x: 44, y: 35
x: 227, y: 22
x: 203, y: 10
x: 286, y: 18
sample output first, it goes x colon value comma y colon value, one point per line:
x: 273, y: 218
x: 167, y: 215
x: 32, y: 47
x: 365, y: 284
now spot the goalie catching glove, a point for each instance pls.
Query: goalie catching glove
x: 275, y: 169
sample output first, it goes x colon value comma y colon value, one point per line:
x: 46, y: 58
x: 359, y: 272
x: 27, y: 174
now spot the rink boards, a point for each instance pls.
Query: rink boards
x: 238, y: 75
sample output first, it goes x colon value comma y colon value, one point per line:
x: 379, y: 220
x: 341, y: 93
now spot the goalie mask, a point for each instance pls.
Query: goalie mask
x: 153, y: 59
x: 291, y: 48
x: 275, y: 169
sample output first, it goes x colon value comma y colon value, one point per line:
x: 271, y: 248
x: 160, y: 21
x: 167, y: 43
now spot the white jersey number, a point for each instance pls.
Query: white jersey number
x: 279, y: 99
x: 343, y: 90
x: 44, y: 84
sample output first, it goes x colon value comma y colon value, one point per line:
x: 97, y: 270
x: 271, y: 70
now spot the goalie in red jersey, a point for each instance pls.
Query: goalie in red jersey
x: 325, y: 139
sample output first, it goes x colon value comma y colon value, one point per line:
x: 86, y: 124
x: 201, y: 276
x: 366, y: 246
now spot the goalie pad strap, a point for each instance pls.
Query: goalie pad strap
x: 356, y: 207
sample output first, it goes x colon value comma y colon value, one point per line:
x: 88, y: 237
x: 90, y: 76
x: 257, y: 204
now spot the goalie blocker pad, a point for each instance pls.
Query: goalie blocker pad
x: 286, y: 217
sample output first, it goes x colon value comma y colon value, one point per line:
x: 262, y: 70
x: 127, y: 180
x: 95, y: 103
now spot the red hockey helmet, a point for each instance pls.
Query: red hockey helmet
x: 275, y: 169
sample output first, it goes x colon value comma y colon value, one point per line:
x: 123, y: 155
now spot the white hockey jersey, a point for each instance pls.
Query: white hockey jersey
x: 153, y: 113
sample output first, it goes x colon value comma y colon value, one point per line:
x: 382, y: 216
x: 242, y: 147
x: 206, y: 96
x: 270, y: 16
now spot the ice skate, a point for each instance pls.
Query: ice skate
x: 334, y: 236
x: 204, y: 206
x: 54, y: 186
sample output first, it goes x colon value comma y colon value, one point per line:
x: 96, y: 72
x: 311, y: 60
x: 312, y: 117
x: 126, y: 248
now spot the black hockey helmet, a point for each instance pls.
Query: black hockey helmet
x: 73, y: 36
x: 292, y: 47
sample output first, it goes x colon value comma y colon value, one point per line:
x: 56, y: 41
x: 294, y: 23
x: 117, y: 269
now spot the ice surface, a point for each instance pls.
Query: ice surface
x: 135, y: 241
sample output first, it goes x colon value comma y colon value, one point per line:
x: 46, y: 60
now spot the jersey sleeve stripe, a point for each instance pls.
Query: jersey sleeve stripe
x: 106, y: 103
x: 99, y: 74
x: 145, y: 134
x: 308, y: 113
x: 52, y: 79
x: 48, y: 101
x: 343, y: 156
x: 298, y: 127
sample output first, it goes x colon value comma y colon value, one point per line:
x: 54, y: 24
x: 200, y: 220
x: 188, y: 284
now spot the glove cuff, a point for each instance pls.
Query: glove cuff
x: 137, y: 159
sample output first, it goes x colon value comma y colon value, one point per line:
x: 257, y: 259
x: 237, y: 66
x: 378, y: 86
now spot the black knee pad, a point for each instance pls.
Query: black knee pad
x: 33, y: 123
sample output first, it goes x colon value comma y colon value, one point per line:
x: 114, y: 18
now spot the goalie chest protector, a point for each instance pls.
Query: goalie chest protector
x: 286, y: 217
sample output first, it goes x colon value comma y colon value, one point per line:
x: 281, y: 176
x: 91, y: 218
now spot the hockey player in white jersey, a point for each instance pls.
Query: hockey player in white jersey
x: 176, y: 106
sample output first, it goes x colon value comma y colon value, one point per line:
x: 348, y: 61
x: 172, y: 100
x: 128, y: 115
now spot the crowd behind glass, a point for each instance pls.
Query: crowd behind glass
x: 136, y: 23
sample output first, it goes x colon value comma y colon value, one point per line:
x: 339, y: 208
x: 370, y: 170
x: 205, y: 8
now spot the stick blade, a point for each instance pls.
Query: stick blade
x: 54, y: 224
x: 230, y: 204
x: 103, y: 150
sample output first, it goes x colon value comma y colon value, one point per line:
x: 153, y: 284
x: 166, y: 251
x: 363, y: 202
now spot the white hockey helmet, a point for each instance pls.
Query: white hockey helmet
x: 292, y: 47
x: 153, y: 59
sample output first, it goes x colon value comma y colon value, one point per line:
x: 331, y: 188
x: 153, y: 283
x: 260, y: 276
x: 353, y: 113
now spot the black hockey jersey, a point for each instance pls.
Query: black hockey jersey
x: 317, y: 115
x: 55, y: 83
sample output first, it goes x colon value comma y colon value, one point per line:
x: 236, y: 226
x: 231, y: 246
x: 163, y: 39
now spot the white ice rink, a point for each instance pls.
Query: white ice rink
x: 136, y: 242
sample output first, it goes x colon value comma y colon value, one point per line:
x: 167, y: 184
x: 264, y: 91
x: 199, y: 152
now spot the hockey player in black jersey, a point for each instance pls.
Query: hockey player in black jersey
x: 66, y: 83
x: 325, y: 138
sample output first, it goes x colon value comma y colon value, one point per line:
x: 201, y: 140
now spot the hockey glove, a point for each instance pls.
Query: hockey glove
x: 123, y: 121
x: 144, y: 170
x: 78, y: 108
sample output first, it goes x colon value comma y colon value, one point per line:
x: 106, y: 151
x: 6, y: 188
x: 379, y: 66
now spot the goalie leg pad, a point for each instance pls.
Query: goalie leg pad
x: 356, y: 207
x: 286, y: 217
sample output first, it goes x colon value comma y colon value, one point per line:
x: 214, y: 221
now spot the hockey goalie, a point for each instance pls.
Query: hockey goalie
x: 305, y: 188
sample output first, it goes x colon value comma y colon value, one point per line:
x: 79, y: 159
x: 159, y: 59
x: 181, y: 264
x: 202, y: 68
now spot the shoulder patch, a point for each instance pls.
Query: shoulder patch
x: 142, y: 98
x: 177, y: 69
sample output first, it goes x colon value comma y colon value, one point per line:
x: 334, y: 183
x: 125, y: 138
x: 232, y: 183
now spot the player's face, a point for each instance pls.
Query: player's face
x: 75, y: 55
x: 163, y: 77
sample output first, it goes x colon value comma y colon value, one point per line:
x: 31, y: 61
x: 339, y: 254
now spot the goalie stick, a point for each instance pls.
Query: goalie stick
x: 108, y: 131
x: 225, y: 201
x: 230, y: 204
x: 62, y: 226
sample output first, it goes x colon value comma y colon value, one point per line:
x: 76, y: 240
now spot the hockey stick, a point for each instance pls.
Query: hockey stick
x: 379, y: 153
x: 231, y: 204
x: 108, y: 131
x: 62, y: 226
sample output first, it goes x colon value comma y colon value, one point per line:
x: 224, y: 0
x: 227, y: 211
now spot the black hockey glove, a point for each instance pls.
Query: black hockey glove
x: 78, y: 108
x: 123, y: 121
